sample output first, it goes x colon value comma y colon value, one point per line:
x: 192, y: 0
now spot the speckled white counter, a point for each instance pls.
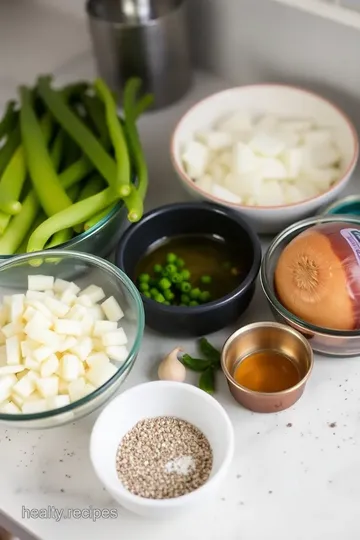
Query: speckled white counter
x: 295, y: 474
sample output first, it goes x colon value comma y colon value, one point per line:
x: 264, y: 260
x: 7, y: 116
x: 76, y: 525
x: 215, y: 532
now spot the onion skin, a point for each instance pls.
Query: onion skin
x: 317, y: 278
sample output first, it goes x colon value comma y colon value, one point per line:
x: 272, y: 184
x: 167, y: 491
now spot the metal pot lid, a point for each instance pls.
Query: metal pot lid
x: 346, y: 206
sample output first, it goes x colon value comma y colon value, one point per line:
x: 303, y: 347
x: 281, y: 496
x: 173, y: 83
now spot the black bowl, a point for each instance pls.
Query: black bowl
x: 192, y: 218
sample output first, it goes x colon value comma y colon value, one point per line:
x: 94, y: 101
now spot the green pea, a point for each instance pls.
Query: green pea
x: 180, y: 263
x: 159, y: 298
x: 164, y: 284
x: 168, y: 294
x: 206, y: 279
x: 204, y: 296
x: 176, y: 278
x: 195, y: 293
x: 171, y: 258
x: 185, y: 299
x: 144, y: 287
x: 158, y: 268
x: 147, y: 294
x: 193, y: 303
x: 170, y: 269
x: 185, y: 287
x: 166, y: 303
x: 186, y: 275
x: 154, y: 292
x: 144, y: 278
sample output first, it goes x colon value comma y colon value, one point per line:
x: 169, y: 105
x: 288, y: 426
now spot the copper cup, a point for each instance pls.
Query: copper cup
x: 267, y: 336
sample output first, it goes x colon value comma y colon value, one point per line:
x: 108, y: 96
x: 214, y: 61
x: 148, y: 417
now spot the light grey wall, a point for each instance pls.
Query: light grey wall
x: 247, y: 41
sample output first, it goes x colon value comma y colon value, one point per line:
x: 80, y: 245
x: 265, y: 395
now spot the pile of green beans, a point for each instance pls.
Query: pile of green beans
x: 66, y: 160
x: 170, y: 284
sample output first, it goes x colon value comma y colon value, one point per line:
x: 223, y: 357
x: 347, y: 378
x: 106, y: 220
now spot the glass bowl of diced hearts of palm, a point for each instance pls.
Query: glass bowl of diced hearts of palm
x: 71, y: 328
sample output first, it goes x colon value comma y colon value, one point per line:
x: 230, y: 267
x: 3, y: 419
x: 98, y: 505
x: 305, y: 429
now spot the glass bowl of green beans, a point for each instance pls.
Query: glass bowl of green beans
x: 195, y: 265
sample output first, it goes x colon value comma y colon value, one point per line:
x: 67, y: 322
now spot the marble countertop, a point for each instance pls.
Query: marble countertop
x: 295, y: 474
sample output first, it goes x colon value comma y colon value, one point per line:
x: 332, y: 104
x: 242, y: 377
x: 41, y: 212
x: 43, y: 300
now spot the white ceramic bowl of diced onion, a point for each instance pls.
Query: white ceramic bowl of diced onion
x: 273, y: 152
x: 71, y: 326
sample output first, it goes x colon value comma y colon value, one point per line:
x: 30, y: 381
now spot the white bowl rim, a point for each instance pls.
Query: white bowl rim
x: 185, y: 177
x: 183, y: 499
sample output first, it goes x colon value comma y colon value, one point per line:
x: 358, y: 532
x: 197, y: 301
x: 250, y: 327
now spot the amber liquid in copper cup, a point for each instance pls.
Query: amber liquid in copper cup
x: 267, y: 336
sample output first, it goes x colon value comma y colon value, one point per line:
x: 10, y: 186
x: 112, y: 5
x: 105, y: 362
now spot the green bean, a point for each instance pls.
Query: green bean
x: 77, y: 213
x: 143, y: 104
x: 92, y: 186
x: 41, y: 216
x: 99, y: 216
x: 207, y: 381
x: 46, y: 183
x: 134, y: 204
x: 74, y: 91
x: 12, y: 182
x: 95, y: 109
x: 71, y: 151
x: 19, y: 225
x: 131, y: 89
x: 209, y: 351
x: 9, y: 148
x: 196, y: 364
x: 9, y: 120
x: 122, y: 184
x: 78, y: 131
x: 57, y: 149
x: 61, y: 237
x: 75, y: 172
x: 15, y: 173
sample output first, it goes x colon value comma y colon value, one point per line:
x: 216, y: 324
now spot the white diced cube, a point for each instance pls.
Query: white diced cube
x: 58, y: 401
x: 7, y: 383
x: 12, y: 329
x: 224, y: 194
x: 293, y: 194
x: 16, y: 399
x: 293, y: 160
x: 38, y: 322
x: 48, y: 386
x: 205, y: 183
x: 266, y: 145
x: 42, y: 353
x: 324, y: 155
x: 10, y: 408
x: 89, y: 388
x: 94, y: 292
x: 112, y: 310
x: 77, y: 312
x: 117, y: 352
x: 4, y: 315
x: 97, y: 359
x: 272, y: 194
x: 98, y: 344
x: 68, y: 327
x: 101, y: 327
x: 266, y: 124
x: 30, y: 363
x: 118, y: 337
x: 87, y: 324
x: 62, y: 285
x: 34, y: 406
x: 3, y: 361
x: 46, y: 337
x: 244, y: 159
x: 49, y: 366
x: 236, y: 121
x: 82, y: 348
x: 272, y: 168
x: 195, y: 157
x: 25, y: 386
x: 77, y: 389
x: 40, y: 283
x: 69, y: 367
x: 6, y: 370
x: 98, y: 375
x: 67, y: 343
x: 29, y: 313
x: 68, y: 297
x: 296, y: 125
x: 13, y: 352
x: 41, y: 308
x: 96, y: 313
x: 63, y: 386
x: 34, y: 295
x: 215, y: 140
x: 84, y: 301
x: 317, y: 136
x: 56, y: 308
x: 16, y: 307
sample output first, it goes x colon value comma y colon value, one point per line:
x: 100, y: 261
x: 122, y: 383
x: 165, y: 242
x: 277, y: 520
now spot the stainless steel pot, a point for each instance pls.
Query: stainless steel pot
x: 143, y: 38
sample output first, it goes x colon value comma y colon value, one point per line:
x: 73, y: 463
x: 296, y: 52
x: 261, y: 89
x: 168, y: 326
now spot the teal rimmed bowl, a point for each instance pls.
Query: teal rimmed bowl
x: 84, y: 269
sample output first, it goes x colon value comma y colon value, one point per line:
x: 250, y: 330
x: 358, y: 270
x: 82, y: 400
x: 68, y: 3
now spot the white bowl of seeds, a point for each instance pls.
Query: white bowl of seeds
x: 162, y: 448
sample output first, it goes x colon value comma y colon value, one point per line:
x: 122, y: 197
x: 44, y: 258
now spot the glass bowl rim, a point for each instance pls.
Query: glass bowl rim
x: 284, y: 235
x: 109, y: 268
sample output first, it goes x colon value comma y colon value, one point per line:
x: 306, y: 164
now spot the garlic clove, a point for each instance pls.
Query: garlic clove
x: 171, y: 369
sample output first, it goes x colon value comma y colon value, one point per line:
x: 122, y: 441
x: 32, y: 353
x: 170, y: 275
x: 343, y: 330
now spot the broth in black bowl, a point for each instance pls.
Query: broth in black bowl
x: 212, y: 266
